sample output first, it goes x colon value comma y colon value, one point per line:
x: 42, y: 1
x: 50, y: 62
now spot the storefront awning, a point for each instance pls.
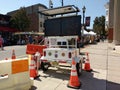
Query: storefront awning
x: 7, y: 29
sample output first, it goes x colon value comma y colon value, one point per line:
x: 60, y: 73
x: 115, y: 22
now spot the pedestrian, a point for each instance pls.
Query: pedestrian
x: 102, y: 38
x: 77, y: 59
x: 1, y: 42
x: 30, y: 39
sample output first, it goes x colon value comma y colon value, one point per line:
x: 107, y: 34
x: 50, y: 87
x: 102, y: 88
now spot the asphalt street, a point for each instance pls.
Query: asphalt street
x: 20, y: 51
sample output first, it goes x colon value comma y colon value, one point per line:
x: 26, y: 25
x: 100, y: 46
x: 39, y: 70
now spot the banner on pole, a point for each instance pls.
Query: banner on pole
x: 87, y: 21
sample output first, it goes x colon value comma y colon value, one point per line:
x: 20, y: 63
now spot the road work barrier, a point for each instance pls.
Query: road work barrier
x: 33, y: 68
x: 87, y: 64
x: 74, y: 79
x: 32, y: 49
x: 13, y: 55
x: 14, y: 75
x: 34, y: 63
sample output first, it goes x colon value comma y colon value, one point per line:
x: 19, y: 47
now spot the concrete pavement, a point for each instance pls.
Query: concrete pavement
x: 103, y: 57
x: 105, y: 76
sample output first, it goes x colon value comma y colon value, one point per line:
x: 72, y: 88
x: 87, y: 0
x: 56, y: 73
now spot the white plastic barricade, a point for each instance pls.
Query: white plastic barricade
x: 14, y: 75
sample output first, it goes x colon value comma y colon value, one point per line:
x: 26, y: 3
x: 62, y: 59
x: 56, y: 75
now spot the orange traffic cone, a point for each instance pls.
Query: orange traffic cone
x: 74, y: 80
x: 33, y: 72
x: 13, y: 54
x: 87, y: 64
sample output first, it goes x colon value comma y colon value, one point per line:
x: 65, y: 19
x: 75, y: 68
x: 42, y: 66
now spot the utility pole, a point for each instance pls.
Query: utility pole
x: 62, y: 2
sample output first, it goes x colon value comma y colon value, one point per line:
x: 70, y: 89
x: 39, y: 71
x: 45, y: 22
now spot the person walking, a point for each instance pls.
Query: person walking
x: 1, y: 42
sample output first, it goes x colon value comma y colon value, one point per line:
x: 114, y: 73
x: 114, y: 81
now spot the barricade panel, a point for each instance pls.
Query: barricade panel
x: 19, y: 66
x: 15, y: 75
x: 32, y: 49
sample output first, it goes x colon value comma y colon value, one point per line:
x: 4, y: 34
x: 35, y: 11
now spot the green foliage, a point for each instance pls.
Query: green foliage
x: 20, y: 20
x: 99, y: 25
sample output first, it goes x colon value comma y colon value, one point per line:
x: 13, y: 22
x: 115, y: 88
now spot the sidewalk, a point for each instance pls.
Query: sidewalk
x: 103, y: 57
x: 105, y: 76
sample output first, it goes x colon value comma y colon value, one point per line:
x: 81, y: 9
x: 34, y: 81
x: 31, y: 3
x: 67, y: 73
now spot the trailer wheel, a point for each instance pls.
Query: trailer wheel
x: 79, y: 68
x: 45, y: 66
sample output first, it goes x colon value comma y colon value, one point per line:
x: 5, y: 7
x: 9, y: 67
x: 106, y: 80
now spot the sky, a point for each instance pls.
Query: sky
x: 94, y: 8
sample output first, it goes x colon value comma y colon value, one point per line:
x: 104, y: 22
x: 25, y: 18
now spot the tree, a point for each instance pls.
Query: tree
x: 99, y: 25
x: 20, y: 20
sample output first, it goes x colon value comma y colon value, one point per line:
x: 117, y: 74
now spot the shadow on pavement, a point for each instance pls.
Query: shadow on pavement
x: 63, y: 74
x: 33, y: 88
x: 112, y: 86
x: 59, y: 73
x: 89, y: 82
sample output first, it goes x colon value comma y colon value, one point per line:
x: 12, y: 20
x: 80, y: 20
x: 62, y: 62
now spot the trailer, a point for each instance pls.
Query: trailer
x: 62, y: 33
x: 61, y: 49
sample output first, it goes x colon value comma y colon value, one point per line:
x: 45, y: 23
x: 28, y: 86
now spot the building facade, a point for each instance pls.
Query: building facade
x: 116, y: 32
x: 114, y: 22
x: 107, y: 15
x: 36, y: 19
x: 110, y: 19
x: 5, y: 27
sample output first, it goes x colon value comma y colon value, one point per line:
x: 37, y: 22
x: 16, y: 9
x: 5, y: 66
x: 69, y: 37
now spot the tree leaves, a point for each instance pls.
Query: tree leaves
x: 99, y: 25
x: 20, y: 19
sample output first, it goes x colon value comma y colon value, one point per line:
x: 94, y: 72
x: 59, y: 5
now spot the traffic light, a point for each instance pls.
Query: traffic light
x: 87, y: 21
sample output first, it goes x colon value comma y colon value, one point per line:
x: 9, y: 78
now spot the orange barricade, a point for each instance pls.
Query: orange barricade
x: 19, y: 66
x: 29, y: 49
x: 32, y: 49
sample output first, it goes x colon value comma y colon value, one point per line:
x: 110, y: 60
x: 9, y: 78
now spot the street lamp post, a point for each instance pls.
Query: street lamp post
x: 84, y: 8
x: 50, y: 4
x: 83, y: 26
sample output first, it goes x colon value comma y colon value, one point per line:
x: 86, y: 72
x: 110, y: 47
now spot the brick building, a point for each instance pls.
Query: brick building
x: 5, y: 27
x: 36, y: 19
